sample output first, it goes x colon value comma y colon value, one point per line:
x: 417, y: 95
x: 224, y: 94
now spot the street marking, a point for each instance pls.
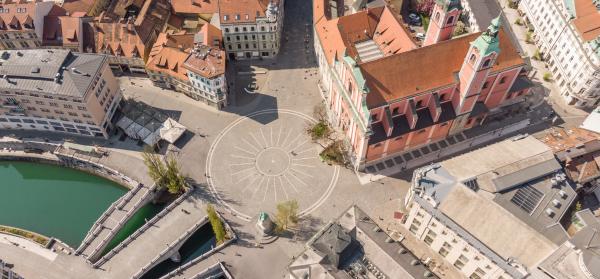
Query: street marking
x: 244, y: 150
x: 303, y: 173
x: 264, y: 138
x: 283, y: 188
x: 290, y: 183
x: 251, y: 145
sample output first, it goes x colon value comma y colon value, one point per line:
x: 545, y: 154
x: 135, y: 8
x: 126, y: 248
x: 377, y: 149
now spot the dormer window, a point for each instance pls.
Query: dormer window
x: 225, y: 18
x: 450, y: 20
x: 237, y: 17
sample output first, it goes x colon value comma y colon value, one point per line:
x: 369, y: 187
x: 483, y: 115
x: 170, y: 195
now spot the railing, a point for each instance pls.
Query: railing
x: 171, y: 246
x: 209, y: 253
x: 118, y: 204
x: 142, y: 229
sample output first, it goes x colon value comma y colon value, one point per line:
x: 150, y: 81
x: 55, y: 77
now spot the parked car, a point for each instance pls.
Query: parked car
x: 414, y: 19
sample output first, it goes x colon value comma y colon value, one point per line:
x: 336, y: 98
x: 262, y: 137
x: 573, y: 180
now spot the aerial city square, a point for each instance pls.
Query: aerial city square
x: 299, y: 139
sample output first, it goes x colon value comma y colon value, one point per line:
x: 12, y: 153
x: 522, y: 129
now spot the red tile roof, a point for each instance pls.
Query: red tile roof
x: 426, y: 68
x: 169, y: 53
x: 73, y: 6
x: 236, y: 11
x: 206, y: 61
x: 17, y: 17
x: 195, y: 6
x: 62, y: 31
x: 587, y: 22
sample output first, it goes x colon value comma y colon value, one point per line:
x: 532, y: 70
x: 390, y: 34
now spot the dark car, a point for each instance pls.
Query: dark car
x: 414, y: 19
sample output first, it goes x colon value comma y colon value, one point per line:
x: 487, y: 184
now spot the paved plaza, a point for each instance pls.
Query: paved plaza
x: 257, y: 165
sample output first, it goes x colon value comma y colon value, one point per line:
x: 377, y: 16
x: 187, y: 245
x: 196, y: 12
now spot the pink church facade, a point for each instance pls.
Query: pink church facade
x: 390, y: 95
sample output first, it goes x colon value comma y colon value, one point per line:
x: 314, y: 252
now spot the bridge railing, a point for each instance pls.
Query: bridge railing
x: 171, y: 246
x: 179, y: 270
x: 121, y: 222
x: 142, y: 229
x: 98, y: 227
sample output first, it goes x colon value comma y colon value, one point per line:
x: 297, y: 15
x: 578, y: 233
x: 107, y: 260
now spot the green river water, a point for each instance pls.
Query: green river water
x: 64, y: 203
x: 57, y: 201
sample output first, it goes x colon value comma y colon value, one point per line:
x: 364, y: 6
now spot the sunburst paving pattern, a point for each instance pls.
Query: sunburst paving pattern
x: 253, y: 166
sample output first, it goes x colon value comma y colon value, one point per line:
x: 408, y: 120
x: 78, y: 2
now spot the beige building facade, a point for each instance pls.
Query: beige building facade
x: 22, y: 24
x: 57, y: 90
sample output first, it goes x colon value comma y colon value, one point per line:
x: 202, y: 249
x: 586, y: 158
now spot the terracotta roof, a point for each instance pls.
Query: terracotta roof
x: 238, y: 11
x: 587, y: 21
x: 339, y: 35
x: 206, y: 61
x: 169, y: 53
x: 195, y: 6
x: 19, y: 17
x: 409, y: 73
x: 61, y: 31
x: 129, y: 37
x: 211, y: 35
x: 73, y: 6
x: 235, y: 11
x: 121, y: 39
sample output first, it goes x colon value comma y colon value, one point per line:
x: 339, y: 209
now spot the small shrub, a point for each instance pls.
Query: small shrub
x: 320, y: 130
x: 287, y: 215
x: 519, y: 22
x: 529, y: 37
x: 513, y: 4
x: 459, y: 29
x: 216, y: 224
x: 537, y: 55
x: 547, y: 77
x: 335, y: 153
x: 425, y: 20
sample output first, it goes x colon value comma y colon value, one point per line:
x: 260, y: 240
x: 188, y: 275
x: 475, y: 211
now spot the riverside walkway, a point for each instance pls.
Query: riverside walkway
x: 156, y: 241
x: 113, y: 219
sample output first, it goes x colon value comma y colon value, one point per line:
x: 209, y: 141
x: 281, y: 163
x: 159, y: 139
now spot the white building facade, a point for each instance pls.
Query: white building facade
x: 564, y: 33
x: 253, y: 36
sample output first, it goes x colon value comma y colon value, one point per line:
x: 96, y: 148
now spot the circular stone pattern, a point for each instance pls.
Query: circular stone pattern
x: 273, y: 161
x: 266, y: 158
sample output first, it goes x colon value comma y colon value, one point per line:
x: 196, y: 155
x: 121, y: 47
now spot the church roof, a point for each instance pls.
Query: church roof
x: 426, y: 68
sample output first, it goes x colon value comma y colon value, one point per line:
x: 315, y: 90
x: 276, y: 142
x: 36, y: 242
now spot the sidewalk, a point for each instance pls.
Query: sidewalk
x: 552, y: 91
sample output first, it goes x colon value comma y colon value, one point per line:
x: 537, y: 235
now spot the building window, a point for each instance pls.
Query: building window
x: 419, y: 104
x: 460, y: 262
x: 374, y: 117
x: 472, y: 58
x: 395, y: 111
x: 502, y: 80
x: 477, y: 274
x: 486, y: 85
x: 445, y: 249
x: 450, y: 20
x: 430, y: 237
x: 486, y: 63
x: 443, y: 97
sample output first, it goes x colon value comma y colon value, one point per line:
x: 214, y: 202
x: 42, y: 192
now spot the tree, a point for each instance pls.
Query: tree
x: 287, y: 215
x: 165, y: 173
x: 216, y: 224
x: 459, y: 29
x: 424, y: 7
x: 175, y: 180
x: 156, y: 166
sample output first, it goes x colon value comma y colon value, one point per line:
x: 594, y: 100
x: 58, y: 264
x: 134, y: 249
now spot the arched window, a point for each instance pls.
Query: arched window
x: 486, y: 63
x: 450, y: 20
x: 437, y: 16
x: 472, y: 58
